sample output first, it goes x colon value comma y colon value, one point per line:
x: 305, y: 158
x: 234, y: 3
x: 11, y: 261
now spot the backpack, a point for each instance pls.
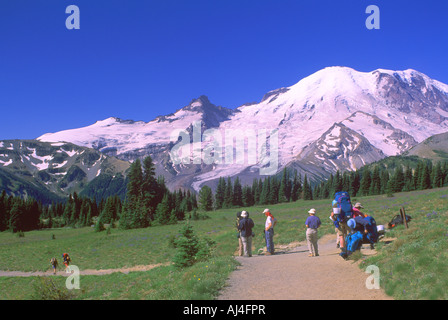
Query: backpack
x: 342, y: 198
x: 353, y: 242
x: 398, y: 219
x: 372, y: 235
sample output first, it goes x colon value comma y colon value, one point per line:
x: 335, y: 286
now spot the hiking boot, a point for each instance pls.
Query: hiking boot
x: 268, y: 253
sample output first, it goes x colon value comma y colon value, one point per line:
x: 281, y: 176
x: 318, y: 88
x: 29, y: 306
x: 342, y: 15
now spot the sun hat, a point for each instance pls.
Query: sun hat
x: 244, y: 214
x: 266, y: 210
x: 358, y: 205
x: 351, y: 223
x: 312, y: 211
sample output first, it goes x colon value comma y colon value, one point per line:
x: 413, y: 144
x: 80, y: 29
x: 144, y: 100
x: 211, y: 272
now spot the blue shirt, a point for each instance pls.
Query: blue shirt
x: 313, y: 222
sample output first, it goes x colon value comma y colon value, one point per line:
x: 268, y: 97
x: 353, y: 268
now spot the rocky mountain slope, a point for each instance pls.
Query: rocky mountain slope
x: 51, y: 171
x: 335, y: 119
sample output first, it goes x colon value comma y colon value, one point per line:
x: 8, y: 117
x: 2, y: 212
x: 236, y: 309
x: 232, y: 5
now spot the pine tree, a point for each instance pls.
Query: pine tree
x: 220, y: 193
x: 437, y: 177
x: 337, y: 182
x: 228, y: 199
x: 135, y: 214
x: 307, y: 192
x: 264, y: 196
x: 425, y: 179
x: 109, y: 212
x: 237, y: 193
x: 256, y: 191
x: 365, y: 182
x: 398, y: 179
x: 135, y: 176
x: 3, y: 216
x: 149, y: 186
x: 187, y: 246
x: 346, y: 181
x: 355, y: 183
x: 99, y: 226
x: 273, y: 194
x: 375, y: 184
x: 16, y: 217
x: 163, y: 211
x: 384, y: 181
x: 206, y: 199
x: 248, y: 199
x: 296, y: 189
x: 408, y: 178
x: 283, y: 188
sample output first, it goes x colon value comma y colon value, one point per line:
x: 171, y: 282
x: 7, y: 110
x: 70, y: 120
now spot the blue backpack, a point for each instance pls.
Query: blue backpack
x: 372, y: 235
x: 342, y: 198
x: 353, y: 242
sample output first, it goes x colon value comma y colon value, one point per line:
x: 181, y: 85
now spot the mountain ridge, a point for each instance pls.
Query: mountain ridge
x: 392, y: 110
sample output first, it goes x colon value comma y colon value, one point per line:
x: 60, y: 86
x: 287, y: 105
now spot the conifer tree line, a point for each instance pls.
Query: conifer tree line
x: 147, y: 201
x: 369, y: 180
x: 271, y: 190
x: 378, y: 179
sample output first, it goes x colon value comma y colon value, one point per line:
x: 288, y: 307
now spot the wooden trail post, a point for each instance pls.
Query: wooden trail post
x: 403, y: 216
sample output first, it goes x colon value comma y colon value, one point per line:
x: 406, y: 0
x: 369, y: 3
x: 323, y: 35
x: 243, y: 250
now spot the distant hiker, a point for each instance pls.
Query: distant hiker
x: 312, y: 224
x: 240, y: 241
x: 357, y: 212
x: 54, y: 264
x: 67, y: 261
x: 245, y: 228
x: 269, y: 231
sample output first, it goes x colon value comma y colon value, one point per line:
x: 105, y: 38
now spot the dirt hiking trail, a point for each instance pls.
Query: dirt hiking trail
x: 86, y: 272
x: 291, y: 275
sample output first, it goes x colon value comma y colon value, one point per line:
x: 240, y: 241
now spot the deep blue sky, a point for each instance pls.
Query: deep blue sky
x: 136, y: 59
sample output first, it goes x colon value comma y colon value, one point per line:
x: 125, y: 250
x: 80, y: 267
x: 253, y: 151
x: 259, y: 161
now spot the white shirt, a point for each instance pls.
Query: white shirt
x: 269, y: 221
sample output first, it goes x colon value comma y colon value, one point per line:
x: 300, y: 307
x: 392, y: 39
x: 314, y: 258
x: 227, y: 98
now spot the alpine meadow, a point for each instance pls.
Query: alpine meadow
x: 218, y: 157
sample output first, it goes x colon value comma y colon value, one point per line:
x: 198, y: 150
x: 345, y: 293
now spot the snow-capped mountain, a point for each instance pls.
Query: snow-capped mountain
x: 30, y: 167
x: 335, y: 119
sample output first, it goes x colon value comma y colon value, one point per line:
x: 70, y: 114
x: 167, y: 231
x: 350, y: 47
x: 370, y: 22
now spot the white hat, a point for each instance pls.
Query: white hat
x: 244, y: 214
x: 358, y: 205
x: 266, y: 210
x: 312, y: 211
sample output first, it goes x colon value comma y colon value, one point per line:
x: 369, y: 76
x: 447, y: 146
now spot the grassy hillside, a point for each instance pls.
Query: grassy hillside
x: 413, y: 266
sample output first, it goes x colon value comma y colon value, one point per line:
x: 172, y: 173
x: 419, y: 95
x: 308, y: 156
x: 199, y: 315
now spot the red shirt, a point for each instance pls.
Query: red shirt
x: 357, y: 213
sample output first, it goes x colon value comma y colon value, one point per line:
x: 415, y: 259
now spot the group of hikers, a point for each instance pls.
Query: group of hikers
x: 54, y: 263
x: 352, y: 226
x: 245, y: 225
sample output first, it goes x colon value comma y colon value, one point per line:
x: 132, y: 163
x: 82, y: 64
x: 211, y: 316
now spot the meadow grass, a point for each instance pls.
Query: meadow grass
x: 413, y: 266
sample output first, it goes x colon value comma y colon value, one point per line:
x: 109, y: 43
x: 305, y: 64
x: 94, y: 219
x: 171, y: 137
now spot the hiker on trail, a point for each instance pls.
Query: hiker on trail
x: 269, y: 231
x: 341, y: 213
x: 54, y: 264
x: 240, y: 241
x: 312, y: 223
x: 67, y: 260
x: 245, y: 228
x: 333, y: 218
x: 357, y: 212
